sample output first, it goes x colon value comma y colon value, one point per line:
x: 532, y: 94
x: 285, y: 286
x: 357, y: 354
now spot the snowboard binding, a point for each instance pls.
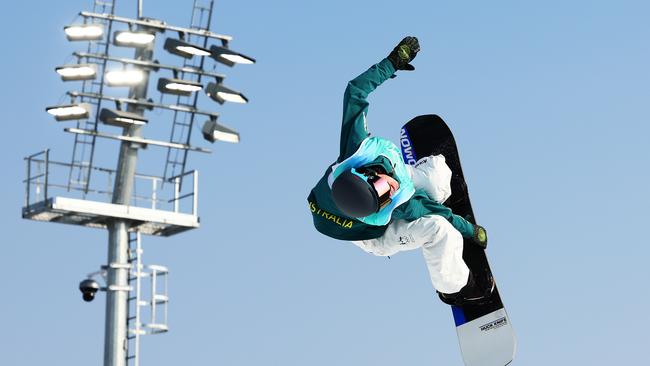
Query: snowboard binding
x: 477, y: 291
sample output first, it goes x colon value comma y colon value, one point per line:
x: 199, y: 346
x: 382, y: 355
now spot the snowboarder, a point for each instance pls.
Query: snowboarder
x: 370, y: 197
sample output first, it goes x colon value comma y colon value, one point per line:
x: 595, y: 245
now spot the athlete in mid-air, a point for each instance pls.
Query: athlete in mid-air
x: 370, y: 197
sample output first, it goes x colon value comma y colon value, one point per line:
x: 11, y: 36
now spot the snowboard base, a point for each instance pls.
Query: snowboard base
x: 488, y: 340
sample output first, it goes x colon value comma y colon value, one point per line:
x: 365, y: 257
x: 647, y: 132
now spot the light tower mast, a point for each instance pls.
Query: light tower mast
x: 163, y: 209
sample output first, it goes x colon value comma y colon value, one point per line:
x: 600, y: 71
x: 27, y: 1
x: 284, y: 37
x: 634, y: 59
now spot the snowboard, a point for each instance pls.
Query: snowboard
x: 484, y: 331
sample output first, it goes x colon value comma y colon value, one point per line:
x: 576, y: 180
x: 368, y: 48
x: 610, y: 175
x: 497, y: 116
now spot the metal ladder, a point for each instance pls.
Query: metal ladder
x: 157, y: 298
x: 183, y: 121
x: 133, y: 323
x: 84, y: 145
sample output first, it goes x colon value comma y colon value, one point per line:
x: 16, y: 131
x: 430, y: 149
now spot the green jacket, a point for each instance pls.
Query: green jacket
x: 327, y: 218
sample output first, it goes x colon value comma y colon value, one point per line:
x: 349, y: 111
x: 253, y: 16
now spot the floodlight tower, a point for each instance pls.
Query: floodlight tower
x: 124, y: 216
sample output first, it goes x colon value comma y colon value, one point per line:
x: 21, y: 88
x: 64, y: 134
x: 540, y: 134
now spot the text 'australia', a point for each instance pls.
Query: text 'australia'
x: 331, y: 217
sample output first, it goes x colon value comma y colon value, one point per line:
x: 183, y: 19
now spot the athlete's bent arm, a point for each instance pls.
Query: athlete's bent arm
x: 421, y: 205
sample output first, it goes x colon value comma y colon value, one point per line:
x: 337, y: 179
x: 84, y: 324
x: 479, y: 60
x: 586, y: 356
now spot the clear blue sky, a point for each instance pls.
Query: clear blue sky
x: 549, y: 104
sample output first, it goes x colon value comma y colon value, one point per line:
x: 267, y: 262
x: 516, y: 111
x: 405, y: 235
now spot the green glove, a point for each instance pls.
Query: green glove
x: 404, y: 53
x: 480, y: 236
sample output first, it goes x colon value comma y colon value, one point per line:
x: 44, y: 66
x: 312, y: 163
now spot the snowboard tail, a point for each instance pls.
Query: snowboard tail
x: 484, y: 330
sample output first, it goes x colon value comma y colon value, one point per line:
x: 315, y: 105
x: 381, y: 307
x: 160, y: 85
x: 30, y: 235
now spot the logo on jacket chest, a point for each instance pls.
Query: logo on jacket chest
x: 406, y: 239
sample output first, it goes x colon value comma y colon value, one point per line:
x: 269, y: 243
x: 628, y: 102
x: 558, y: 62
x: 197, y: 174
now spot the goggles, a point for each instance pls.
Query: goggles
x: 379, y: 184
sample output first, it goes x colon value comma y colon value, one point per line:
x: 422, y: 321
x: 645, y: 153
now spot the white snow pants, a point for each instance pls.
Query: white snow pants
x: 441, y: 243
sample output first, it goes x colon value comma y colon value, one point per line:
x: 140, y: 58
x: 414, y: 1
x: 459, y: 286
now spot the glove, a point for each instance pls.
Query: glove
x: 404, y: 53
x: 480, y: 236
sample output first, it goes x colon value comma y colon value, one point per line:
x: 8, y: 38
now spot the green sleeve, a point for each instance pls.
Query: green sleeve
x: 421, y: 205
x: 355, y: 106
x: 465, y: 227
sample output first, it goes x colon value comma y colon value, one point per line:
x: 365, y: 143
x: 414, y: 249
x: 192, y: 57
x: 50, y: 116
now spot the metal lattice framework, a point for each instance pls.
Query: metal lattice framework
x: 92, y: 91
x: 184, y: 121
x: 83, y: 150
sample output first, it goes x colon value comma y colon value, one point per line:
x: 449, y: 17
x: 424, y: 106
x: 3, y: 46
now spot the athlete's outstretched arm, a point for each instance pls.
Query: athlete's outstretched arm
x: 355, y: 106
x: 355, y: 101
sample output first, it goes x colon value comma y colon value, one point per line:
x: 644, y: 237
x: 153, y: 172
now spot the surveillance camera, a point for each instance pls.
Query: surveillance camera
x: 88, y: 288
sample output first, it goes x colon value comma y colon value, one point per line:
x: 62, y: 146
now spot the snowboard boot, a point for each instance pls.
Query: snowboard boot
x: 478, y: 290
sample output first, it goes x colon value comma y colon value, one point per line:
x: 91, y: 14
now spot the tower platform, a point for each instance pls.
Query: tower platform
x: 99, y: 214
x: 159, y: 206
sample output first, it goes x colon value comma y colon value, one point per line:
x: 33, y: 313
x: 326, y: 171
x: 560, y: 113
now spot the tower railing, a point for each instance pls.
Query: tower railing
x: 46, y: 178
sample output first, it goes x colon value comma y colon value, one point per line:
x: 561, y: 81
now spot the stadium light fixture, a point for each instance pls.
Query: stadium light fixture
x: 229, y: 57
x: 184, y: 49
x: 133, y: 39
x: 69, y: 111
x: 221, y: 94
x: 84, y: 32
x: 121, y: 118
x: 124, y: 77
x: 77, y: 72
x: 178, y: 86
x: 212, y: 131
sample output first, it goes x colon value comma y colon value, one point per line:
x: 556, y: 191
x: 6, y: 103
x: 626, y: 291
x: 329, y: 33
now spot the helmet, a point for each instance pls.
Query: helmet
x: 360, y: 193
